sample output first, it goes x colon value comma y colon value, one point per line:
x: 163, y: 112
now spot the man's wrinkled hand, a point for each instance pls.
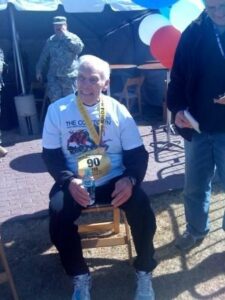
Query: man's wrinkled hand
x: 78, y: 192
x: 122, y: 191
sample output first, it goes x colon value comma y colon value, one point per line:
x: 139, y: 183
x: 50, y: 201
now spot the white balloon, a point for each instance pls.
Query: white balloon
x: 149, y: 25
x: 183, y: 12
x: 198, y: 3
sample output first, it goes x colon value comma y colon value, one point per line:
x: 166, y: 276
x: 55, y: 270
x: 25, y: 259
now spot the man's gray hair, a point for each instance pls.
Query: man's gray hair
x: 98, y: 63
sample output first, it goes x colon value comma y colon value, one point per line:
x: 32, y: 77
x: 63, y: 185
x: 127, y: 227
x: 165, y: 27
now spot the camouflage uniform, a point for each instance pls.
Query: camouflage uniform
x: 61, y: 52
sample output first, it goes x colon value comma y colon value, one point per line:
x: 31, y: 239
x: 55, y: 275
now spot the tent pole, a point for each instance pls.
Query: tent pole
x: 16, y: 48
x: 15, y: 68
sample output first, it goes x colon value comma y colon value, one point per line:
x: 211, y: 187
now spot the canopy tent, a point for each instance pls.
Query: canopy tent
x: 110, y: 32
x: 109, y: 29
x: 99, y: 31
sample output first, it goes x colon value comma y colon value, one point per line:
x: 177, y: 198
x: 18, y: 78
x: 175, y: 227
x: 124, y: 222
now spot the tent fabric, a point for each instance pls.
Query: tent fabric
x: 34, y: 5
x: 112, y: 35
x: 77, y: 6
x: 98, y: 5
x: 109, y: 34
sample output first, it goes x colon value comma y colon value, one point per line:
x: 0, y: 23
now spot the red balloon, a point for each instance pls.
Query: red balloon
x: 163, y: 45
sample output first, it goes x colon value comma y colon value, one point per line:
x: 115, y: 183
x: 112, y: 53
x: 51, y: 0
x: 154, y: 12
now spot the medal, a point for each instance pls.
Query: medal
x: 96, y: 159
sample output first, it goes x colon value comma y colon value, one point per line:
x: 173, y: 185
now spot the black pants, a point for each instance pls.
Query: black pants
x: 64, y: 233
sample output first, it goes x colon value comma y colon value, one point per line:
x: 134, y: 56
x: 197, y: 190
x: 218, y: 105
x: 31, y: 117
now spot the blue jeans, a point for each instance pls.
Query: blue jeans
x: 203, y: 154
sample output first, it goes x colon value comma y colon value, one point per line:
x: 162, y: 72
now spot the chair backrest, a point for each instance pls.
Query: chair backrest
x: 132, y: 89
x: 134, y: 85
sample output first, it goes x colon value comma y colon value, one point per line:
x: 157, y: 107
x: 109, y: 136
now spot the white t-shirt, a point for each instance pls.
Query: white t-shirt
x: 65, y: 128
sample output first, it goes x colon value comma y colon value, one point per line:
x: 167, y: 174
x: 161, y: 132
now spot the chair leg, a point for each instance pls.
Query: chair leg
x: 128, y: 237
x: 43, y: 108
x: 8, y: 272
x: 116, y: 220
x: 139, y: 106
x: 127, y: 103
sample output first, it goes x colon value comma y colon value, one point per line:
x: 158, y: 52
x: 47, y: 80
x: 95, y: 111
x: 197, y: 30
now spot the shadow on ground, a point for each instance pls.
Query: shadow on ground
x: 29, y: 163
x: 38, y: 273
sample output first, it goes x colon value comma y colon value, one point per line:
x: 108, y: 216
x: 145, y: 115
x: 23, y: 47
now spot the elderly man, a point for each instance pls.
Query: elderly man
x: 60, y: 53
x: 87, y: 127
x: 197, y: 89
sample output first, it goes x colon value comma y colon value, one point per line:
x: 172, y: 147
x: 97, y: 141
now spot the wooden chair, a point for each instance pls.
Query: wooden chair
x: 6, y: 274
x: 106, y: 234
x: 131, y: 90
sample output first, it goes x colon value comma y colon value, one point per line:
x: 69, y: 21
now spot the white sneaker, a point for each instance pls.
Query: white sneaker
x: 82, y: 286
x: 144, y: 290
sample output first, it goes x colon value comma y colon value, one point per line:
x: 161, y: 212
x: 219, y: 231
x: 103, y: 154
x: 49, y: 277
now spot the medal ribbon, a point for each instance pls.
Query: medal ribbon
x: 95, y: 136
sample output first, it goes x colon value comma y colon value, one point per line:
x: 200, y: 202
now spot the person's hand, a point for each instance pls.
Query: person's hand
x: 61, y: 33
x: 122, y: 191
x: 181, y: 121
x: 78, y: 192
x: 39, y: 77
x: 220, y: 100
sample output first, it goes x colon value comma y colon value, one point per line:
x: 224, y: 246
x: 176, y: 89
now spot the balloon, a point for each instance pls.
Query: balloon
x: 184, y: 12
x: 163, y: 45
x: 149, y: 25
x: 154, y: 3
x: 165, y: 11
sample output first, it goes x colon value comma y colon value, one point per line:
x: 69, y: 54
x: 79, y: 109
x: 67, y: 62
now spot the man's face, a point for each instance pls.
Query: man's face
x: 216, y: 11
x: 60, y: 28
x: 90, y: 84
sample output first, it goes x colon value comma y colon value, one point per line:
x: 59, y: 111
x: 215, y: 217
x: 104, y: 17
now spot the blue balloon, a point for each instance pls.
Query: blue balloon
x: 154, y: 3
x: 165, y: 11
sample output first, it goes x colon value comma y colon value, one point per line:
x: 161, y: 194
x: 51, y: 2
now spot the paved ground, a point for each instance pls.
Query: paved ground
x: 25, y: 184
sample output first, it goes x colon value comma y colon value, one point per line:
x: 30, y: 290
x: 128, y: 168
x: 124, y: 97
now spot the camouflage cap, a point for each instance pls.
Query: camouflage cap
x: 59, y: 20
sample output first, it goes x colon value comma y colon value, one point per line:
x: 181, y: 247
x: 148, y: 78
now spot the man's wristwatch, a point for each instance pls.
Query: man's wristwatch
x: 132, y: 180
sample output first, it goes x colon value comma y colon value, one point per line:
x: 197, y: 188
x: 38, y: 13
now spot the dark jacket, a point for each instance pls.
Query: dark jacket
x: 186, y: 73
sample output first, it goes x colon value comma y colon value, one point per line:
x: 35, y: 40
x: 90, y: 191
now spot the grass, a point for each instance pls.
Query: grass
x: 198, y: 274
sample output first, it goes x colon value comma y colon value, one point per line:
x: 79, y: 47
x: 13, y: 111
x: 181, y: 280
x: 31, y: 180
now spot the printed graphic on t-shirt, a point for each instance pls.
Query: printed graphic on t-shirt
x: 80, y: 141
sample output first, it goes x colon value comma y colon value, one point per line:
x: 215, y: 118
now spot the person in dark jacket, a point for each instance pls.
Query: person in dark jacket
x: 92, y: 130
x: 196, y: 98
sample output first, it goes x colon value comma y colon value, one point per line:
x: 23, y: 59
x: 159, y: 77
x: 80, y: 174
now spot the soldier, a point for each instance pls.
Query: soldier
x: 3, y: 151
x: 60, y: 53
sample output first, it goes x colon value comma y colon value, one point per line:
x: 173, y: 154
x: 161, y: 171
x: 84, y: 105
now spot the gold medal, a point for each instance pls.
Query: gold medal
x: 97, y: 160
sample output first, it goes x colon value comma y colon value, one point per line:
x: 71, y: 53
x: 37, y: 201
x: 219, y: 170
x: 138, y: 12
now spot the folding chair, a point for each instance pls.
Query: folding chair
x: 106, y: 234
x: 6, y: 274
x: 131, y: 90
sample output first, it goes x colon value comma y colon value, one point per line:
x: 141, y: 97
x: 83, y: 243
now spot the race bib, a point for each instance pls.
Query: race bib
x: 97, y: 160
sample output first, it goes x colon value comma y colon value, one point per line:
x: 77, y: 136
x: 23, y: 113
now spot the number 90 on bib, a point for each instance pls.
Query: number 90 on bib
x: 99, y: 163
